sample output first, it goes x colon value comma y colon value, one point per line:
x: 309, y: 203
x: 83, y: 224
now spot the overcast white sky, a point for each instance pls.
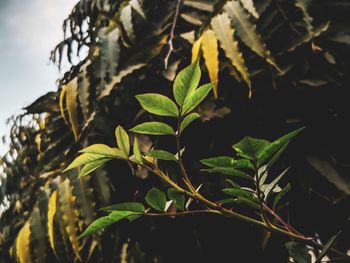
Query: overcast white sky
x: 28, y: 32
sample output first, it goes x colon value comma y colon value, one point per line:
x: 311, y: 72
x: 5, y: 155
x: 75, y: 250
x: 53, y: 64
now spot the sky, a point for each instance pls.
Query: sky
x: 29, y: 30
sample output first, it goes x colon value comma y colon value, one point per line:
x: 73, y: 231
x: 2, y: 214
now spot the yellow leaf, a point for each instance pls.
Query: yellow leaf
x: 195, y: 49
x: 225, y: 34
x: 72, y: 106
x: 50, y: 219
x: 70, y: 214
x: 211, y: 54
x: 22, y: 244
x: 62, y: 97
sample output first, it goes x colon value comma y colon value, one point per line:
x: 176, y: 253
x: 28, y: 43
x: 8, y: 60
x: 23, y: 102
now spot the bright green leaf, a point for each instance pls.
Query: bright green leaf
x: 102, y: 149
x: 186, y: 82
x: 162, y: 155
x: 177, y: 197
x: 156, y: 199
x: 188, y: 120
x: 84, y: 159
x: 92, y: 166
x: 158, y: 104
x: 299, y: 252
x: 153, y: 128
x: 250, y: 148
x: 137, y: 153
x: 122, y: 140
x: 196, y: 97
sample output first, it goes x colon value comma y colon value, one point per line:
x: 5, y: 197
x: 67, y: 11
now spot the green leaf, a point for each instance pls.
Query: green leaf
x: 186, y: 82
x: 250, y: 148
x: 92, y: 166
x: 280, y: 195
x: 267, y: 153
x: 241, y: 193
x: 229, y: 171
x: 187, y: 120
x: 273, y: 184
x: 177, y: 197
x: 226, y: 161
x: 137, y: 153
x: 153, y: 128
x: 123, y: 141
x: 327, y: 247
x: 84, y: 159
x: 129, y: 206
x: 158, y: 104
x: 106, y: 221
x: 196, y: 97
x: 156, y: 199
x: 298, y: 252
x: 162, y: 155
x: 102, y: 149
x: 248, y: 202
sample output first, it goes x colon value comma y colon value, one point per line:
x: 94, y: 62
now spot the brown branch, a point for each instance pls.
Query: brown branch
x: 171, y: 36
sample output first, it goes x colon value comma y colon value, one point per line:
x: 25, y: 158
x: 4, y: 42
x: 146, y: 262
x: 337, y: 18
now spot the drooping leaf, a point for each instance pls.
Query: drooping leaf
x: 247, y: 31
x: 177, y: 197
x: 72, y: 105
x: 188, y: 120
x: 156, y: 199
x: 102, y: 149
x: 250, y: 148
x: 50, y: 219
x: 84, y: 89
x: 123, y: 142
x: 194, y: 99
x: 153, y: 128
x: 38, y: 237
x: 196, y: 49
x: 158, y: 104
x: 126, y: 19
x: 211, y: 57
x: 298, y: 252
x: 225, y: 34
x: 280, y: 195
x: 137, y: 152
x: 110, y: 53
x: 186, y: 82
x: 105, y: 221
x: 22, y: 244
x: 249, y: 6
x: 162, y: 155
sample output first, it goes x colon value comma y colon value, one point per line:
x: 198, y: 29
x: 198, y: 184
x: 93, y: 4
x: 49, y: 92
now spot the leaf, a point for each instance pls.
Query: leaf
x: 50, y: 219
x: 62, y: 102
x: 247, y: 31
x: 241, y: 193
x: 177, y: 197
x: 273, y: 184
x: 327, y: 247
x: 162, y: 155
x: 246, y: 201
x: 280, y: 195
x: 188, y: 120
x: 22, y: 244
x: 186, y: 82
x: 298, y: 252
x: 229, y: 171
x: 153, y: 128
x: 110, y: 52
x: 158, y: 104
x: 126, y: 19
x: 84, y: 159
x: 195, y: 49
x: 72, y: 106
x: 194, y: 99
x: 84, y: 89
x: 131, y: 206
x: 102, y: 149
x: 156, y: 199
x: 123, y: 141
x: 92, y: 166
x: 226, y: 161
x: 135, y: 4
x: 211, y: 57
x: 225, y: 34
x: 106, y: 221
x: 249, y: 6
x: 38, y: 236
x: 136, y: 150
x: 274, y: 147
x: 250, y: 148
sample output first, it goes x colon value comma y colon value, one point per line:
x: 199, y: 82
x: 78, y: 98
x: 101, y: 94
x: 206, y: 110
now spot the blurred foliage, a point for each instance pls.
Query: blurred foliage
x: 291, y: 56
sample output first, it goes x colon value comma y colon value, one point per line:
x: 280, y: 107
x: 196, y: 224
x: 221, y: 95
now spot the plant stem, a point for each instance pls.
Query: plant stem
x: 186, y: 213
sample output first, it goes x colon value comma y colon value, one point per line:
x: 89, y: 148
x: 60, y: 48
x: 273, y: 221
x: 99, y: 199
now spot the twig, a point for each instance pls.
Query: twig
x: 171, y: 36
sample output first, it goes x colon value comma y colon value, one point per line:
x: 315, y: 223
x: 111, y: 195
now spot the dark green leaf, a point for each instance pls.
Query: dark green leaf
x: 327, y: 247
x: 105, y: 221
x: 196, y: 97
x: 132, y: 207
x: 156, y: 199
x: 162, y: 155
x: 177, y: 197
x: 248, y: 202
x: 186, y: 82
x: 226, y: 161
x: 188, y: 119
x: 241, y: 193
x: 250, y: 148
x: 229, y: 171
x: 153, y: 128
x: 158, y: 104
x: 299, y: 252
x: 280, y: 195
x: 122, y: 140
